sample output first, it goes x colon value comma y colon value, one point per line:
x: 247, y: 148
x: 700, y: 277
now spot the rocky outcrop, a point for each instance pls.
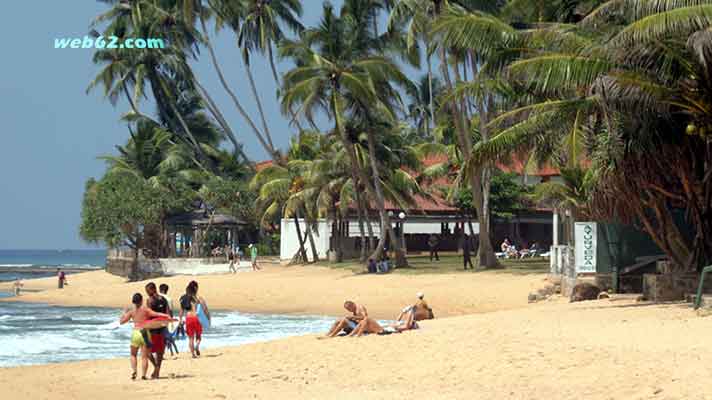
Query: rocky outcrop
x: 585, y: 291
x: 544, y: 293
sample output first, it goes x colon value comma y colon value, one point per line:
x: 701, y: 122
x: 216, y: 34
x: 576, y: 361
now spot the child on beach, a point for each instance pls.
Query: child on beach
x: 170, y: 334
x: 139, y: 314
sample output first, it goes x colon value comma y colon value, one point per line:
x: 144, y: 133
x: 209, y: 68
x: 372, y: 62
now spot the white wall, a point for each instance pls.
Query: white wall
x: 199, y: 266
x: 289, y: 242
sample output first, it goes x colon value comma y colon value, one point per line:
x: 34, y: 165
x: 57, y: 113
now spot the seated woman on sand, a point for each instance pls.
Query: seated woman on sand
x: 421, y: 309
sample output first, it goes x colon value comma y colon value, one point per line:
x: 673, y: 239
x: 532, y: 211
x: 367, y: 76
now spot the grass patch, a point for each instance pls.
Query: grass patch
x: 421, y: 264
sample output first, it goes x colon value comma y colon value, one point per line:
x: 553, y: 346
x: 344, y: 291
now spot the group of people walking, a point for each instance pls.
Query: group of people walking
x: 151, y: 334
x: 234, y: 257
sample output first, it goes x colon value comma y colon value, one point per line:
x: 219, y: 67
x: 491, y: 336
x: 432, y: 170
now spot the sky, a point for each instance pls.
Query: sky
x: 52, y: 131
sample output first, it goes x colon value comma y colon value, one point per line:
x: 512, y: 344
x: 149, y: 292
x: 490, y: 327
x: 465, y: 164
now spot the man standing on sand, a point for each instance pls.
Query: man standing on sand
x: 467, y: 252
x: 17, y: 286
x: 158, y: 304
x: 433, y: 244
x: 61, y: 279
x: 349, y: 322
x: 253, y: 254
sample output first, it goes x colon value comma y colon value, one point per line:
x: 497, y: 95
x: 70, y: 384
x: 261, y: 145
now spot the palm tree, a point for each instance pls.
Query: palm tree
x: 256, y: 23
x: 421, y: 98
x: 620, y: 80
x: 341, y: 78
x: 279, y: 194
x: 127, y: 69
x: 453, y: 24
x: 571, y: 195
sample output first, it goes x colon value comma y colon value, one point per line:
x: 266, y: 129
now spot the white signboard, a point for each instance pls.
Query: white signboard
x: 586, y: 241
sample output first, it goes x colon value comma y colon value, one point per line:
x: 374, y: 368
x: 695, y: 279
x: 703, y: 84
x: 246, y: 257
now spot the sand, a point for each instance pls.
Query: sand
x: 304, y: 290
x: 552, y: 350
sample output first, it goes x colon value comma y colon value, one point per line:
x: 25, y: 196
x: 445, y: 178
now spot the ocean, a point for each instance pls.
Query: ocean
x: 49, y: 260
x: 40, y: 334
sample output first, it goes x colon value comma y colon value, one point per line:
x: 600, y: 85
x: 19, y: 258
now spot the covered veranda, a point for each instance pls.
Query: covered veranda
x: 197, y: 234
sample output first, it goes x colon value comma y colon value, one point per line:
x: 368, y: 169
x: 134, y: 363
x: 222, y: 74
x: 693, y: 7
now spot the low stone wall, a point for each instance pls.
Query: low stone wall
x: 123, y: 267
x: 626, y: 283
x: 672, y: 286
x: 119, y: 266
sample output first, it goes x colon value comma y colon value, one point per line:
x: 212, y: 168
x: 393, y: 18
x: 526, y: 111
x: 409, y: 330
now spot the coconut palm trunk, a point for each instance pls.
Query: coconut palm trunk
x: 485, y: 250
x: 401, y: 260
x: 309, y: 222
x: 362, y: 176
x: 362, y: 231
x: 179, y: 116
x: 258, y: 101
x: 215, y: 112
x: 275, y: 76
x: 208, y: 43
x: 301, y: 256
x: 431, y: 120
x: 312, y: 244
x: 369, y: 227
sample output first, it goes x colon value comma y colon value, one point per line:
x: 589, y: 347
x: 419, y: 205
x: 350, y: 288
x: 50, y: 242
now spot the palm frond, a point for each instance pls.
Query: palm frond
x: 678, y: 22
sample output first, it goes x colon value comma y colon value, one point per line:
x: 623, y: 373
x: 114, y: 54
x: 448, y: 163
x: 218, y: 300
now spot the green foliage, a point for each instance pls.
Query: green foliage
x: 117, y: 209
x: 573, y: 193
x: 507, y: 196
x: 231, y: 197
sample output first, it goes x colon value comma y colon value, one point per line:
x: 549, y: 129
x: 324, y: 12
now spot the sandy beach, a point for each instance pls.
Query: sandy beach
x: 492, y: 345
x: 305, y: 290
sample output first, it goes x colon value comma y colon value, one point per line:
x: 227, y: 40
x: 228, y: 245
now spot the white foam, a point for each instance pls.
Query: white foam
x: 16, y: 345
x: 105, y: 338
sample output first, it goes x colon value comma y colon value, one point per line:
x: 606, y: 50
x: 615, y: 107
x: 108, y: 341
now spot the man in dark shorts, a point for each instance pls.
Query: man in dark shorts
x: 467, y: 252
x: 433, y: 245
x: 159, y: 304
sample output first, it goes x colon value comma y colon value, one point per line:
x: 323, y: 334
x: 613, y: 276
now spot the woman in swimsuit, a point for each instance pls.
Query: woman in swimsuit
x: 189, y: 307
x: 406, y: 322
x: 139, y: 314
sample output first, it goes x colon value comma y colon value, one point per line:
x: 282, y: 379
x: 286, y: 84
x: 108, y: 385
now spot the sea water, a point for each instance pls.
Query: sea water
x: 49, y: 260
x: 40, y: 334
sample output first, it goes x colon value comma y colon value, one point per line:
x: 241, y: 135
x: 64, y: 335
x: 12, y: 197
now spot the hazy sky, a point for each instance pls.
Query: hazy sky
x: 52, y: 131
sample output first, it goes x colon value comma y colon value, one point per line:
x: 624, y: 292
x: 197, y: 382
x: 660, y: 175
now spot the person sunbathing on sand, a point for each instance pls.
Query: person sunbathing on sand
x: 349, y: 322
x: 139, y: 314
x: 421, y: 308
x: 406, y: 321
